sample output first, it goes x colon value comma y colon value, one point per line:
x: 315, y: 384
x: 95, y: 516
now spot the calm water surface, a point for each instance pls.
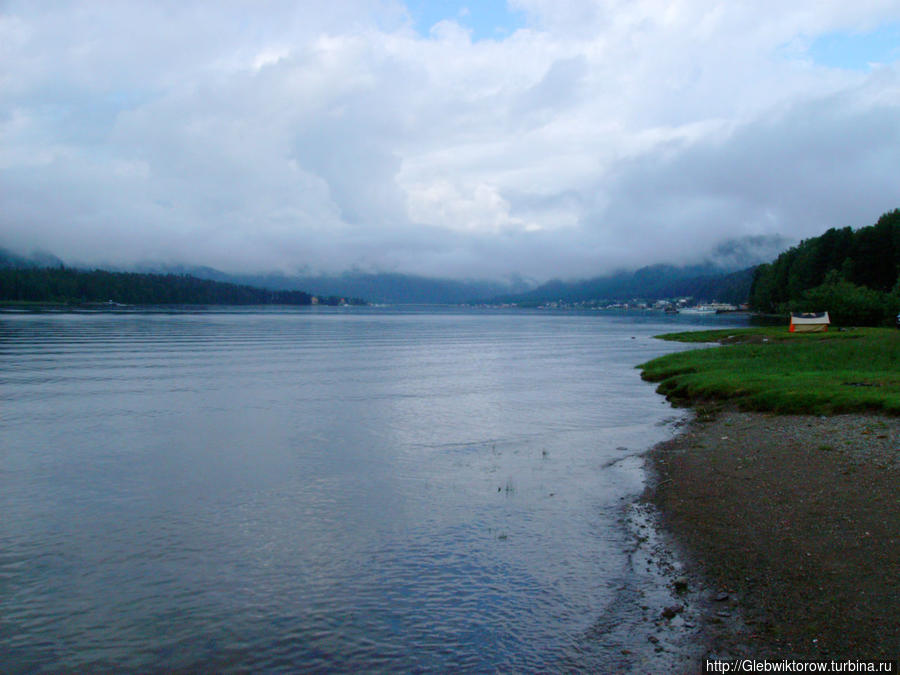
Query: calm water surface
x: 321, y: 490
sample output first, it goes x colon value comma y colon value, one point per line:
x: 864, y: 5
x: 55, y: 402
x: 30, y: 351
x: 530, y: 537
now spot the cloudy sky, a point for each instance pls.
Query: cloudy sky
x: 441, y: 137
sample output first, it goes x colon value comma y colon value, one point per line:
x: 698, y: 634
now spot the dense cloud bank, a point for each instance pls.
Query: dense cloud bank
x: 320, y: 137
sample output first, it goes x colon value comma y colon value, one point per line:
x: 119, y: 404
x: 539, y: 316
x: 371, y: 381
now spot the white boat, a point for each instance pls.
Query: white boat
x: 709, y: 308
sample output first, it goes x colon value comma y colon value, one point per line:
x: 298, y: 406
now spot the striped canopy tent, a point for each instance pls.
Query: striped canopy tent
x: 809, y: 323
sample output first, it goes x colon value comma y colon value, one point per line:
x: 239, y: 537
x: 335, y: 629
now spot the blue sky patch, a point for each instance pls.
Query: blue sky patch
x: 487, y: 19
x: 855, y: 51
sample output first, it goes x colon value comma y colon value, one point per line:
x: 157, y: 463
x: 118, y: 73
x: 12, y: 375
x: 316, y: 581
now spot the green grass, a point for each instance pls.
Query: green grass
x: 759, y: 333
x: 770, y: 369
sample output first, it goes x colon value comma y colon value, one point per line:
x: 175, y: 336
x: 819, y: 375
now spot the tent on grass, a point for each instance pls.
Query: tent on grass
x: 809, y: 323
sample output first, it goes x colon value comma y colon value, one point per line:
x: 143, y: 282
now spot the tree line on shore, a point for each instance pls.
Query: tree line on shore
x: 852, y: 274
x: 66, y: 285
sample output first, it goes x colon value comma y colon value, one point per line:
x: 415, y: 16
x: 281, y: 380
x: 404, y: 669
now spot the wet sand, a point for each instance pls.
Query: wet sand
x: 789, y: 529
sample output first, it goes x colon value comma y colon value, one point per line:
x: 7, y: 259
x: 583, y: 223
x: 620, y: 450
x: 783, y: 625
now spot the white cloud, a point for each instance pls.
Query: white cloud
x: 327, y: 135
x: 480, y: 208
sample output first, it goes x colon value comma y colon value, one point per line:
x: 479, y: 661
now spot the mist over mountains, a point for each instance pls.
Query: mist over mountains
x: 655, y: 282
x: 36, y: 259
x: 724, y: 274
x: 387, y: 288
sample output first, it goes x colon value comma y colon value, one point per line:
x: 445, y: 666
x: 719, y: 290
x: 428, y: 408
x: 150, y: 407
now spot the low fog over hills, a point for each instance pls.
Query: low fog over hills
x: 649, y: 282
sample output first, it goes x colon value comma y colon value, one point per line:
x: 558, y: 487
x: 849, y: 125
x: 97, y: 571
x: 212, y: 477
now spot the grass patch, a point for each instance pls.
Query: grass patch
x: 764, y: 333
x: 770, y: 369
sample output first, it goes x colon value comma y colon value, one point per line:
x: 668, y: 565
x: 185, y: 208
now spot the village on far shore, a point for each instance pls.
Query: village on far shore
x: 685, y: 305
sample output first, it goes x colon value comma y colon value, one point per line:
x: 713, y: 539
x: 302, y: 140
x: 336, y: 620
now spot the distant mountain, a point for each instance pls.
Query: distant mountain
x: 390, y: 288
x: 725, y: 275
x: 655, y: 282
x: 404, y: 288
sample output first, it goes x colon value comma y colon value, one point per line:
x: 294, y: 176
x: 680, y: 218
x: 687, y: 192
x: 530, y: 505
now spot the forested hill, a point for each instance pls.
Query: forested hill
x: 65, y: 285
x: 851, y: 274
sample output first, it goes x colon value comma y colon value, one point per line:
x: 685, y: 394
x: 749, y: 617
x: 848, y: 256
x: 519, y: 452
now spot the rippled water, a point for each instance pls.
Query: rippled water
x: 320, y: 490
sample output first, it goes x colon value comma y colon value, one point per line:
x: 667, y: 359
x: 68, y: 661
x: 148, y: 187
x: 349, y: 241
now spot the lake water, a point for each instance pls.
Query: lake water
x: 319, y: 490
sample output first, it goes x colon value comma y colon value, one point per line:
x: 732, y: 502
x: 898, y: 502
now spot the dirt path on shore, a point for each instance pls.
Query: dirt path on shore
x: 796, y: 521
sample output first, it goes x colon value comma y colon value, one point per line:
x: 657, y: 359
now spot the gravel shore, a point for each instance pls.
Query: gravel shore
x: 790, y: 526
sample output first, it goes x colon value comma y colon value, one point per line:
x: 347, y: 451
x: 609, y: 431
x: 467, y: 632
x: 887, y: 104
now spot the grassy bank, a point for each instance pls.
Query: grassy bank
x: 770, y: 369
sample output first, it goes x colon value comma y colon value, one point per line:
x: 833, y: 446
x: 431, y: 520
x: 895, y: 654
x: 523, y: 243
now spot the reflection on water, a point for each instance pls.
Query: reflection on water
x: 318, y: 489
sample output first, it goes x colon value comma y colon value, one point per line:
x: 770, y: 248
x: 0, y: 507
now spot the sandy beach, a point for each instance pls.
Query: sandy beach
x: 789, y: 527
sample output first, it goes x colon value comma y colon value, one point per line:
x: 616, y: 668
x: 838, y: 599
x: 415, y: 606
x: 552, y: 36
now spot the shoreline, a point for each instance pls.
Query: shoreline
x: 787, y: 528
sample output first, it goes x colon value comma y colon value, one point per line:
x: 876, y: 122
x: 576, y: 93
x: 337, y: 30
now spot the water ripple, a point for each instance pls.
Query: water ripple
x: 316, y: 491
